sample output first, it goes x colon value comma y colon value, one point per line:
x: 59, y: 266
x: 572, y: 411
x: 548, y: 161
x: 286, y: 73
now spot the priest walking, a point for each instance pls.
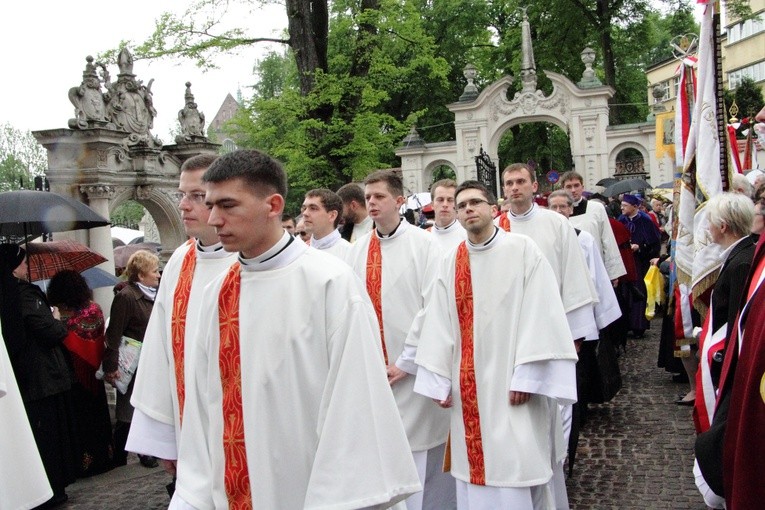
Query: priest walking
x: 290, y: 406
x: 502, y: 383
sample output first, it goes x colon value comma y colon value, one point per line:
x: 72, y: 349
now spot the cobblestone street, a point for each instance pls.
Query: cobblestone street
x: 634, y: 452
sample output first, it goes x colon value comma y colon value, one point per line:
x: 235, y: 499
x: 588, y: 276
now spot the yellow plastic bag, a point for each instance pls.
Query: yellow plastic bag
x: 654, y: 284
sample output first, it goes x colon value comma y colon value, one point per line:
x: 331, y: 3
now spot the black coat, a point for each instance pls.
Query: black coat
x: 729, y: 287
x: 36, y: 350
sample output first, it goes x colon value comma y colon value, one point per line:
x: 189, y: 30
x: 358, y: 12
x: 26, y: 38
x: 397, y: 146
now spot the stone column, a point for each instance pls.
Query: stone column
x: 101, y: 237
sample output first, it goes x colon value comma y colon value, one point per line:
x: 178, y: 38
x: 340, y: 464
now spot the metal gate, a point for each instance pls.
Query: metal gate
x: 486, y: 171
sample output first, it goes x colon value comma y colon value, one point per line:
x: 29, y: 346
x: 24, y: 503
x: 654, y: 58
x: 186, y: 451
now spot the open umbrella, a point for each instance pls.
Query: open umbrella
x: 123, y: 253
x: 606, y: 182
x: 626, y: 186
x: 25, y: 212
x: 47, y: 259
x: 95, y: 277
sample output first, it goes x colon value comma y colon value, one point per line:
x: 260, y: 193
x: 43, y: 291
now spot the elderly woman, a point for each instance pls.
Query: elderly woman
x: 85, y: 343
x: 34, y: 337
x: 129, y: 316
x: 730, y: 222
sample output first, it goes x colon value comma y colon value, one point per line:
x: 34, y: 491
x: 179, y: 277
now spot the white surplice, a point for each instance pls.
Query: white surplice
x: 321, y: 426
x: 521, y: 343
x: 156, y: 429
x: 361, y: 229
x: 23, y: 483
x: 409, y: 263
x: 448, y: 237
x: 607, y: 309
x: 595, y: 221
x: 333, y: 244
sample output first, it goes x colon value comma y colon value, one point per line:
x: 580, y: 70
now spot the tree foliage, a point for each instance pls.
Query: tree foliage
x: 21, y: 158
x: 747, y: 97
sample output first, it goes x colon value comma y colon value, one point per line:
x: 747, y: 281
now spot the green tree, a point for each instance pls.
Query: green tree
x: 21, y: 158
x: 747, y: 96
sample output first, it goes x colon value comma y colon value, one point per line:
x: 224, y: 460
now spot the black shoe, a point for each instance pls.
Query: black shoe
x: 680, y: 378
x: 148, y: 461
x: 688, y: 403
x: 56, y: 500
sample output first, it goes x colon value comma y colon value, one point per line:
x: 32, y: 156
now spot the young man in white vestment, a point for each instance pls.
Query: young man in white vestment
x: 356, y: 220
x: 501, y: 384
x: 447, y: 231
x: 397, y: 262
x: 321, y: 214
x: 590, y: 216
x: 290, y: 407
x: 160, y: 384
x: 557, y: 240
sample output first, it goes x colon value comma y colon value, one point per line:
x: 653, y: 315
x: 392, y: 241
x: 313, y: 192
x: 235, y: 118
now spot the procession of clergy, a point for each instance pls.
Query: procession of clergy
x: 405, y: 369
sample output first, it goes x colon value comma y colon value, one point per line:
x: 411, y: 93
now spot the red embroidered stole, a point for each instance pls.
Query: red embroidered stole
x: 236, y: 475
x: 178, y: 323
x: 463, y: 287
x: 504, y: 222
x: 374, y: 284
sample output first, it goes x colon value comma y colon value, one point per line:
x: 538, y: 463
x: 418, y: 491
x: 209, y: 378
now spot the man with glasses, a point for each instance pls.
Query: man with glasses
x: 500, y: 383
x: 447, y: 231
x: 160, y: 384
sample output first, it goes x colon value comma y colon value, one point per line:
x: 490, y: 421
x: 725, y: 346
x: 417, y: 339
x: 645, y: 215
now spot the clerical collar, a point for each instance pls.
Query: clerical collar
x: 400, y: 228
x: 577, y: 202
x: 526, y: 215
x: 214, y: 251
x: 281, y: 254
x: 488, y: 244
x: 446, y: 229
x: 328, y: 241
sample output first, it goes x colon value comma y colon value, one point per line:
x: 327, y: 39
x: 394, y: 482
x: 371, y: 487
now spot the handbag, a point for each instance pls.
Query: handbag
x: 127, y: 363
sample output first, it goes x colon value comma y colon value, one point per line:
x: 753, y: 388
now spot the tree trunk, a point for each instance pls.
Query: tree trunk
x: 308, y: 26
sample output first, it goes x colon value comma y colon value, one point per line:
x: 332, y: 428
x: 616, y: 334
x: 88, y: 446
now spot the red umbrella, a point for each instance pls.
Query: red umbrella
x: 47, y: 259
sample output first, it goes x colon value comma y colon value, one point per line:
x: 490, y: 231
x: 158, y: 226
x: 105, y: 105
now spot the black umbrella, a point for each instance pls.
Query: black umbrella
x: 606, y: 182
x: 26, y: 212
x: 626, y: 186
x: 666, y: 185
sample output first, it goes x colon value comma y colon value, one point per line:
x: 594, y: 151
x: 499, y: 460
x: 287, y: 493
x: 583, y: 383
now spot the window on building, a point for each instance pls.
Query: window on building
x: 667, y: 88
x: 746, y: 28
x: 755, y: 71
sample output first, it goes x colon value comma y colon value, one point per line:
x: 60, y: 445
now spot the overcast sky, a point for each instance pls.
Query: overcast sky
x: 44, y: 43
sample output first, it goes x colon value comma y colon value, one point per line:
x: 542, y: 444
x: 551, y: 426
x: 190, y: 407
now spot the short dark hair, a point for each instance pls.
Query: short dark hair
x: 256, y: 169
x: 571, y: 175
x: 288, y: 217
x: 516, y: 167
x: 329, y: 200
x: 70, y: 289
x: 487, y: 194
x: 443, y: 183
x: 198, y: 162
x: 350, y: 192
x: 390, y: 178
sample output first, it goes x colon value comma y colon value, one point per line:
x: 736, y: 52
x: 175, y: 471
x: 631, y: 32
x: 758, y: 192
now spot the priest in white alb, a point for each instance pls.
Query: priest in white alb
x: 397, y: 262
x: 447, y: 231
x: 502, y: 379
x: 321, y: 213
x: 290, y: 406
x: 160, y: 385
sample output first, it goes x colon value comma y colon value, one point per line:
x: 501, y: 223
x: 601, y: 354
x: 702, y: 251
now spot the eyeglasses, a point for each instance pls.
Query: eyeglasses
x: 473, y: 202
x: 195, y: 197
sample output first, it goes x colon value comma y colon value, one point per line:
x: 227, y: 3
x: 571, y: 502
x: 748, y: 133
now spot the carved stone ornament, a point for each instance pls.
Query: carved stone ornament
x: 130, y: 104
x: 528, y: 103
x: 192, y: 121
x: 96, y: 191
x: 88, y: 99
x: 143, y: 192
x: 471, y: 144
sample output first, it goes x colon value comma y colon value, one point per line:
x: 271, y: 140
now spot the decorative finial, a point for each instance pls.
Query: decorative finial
x: 125, y: 62
x: 471, y: 91
x: 413, y: 139
x: 189, y: 96
x: 733, y: 110
x: 192, y: 121
x: 528, y: 66
x: 589, y: 80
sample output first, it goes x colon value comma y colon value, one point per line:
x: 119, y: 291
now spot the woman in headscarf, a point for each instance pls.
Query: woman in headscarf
x: 34, y: 338
x: 129, y: 316
x: 85, y: 344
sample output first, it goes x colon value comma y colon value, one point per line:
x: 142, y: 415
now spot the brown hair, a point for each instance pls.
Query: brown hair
x: 517, y: 167
x: 390, y: 178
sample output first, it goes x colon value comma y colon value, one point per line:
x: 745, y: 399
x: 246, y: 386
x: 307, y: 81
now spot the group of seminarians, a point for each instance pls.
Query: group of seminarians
x: 411, y: 369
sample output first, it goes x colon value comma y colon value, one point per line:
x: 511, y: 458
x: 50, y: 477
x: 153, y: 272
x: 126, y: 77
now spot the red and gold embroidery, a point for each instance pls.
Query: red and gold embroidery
x: 468, y: 390
x: 236, y: 475
x: 504, y: 222
x: 374, y: 284
x: 178, y: 324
